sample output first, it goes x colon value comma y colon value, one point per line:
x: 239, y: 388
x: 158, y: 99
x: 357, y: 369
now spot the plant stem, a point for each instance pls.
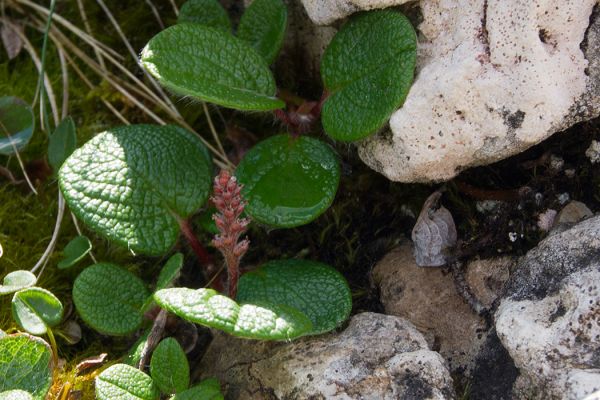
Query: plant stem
x: 203, y: 255
x: 53, y: 346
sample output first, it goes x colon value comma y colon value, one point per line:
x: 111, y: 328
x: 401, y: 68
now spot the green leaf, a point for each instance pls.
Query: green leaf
x: 214, y: 66
x: 123, y: 382
x: 74, y: 251
x: 15, y: 395
x: 36, y: 309
x: 315, y: 289
x: 169, y: 367
x: 368, y: 69
x: 207, y: 307
x: 25, y: 364
x: 134, y: 355
x: 288, y: 181
x: 109, y: 299
x: 263, y: 26
x: 133, y: 183
x: 16, y: 121
x: 205, y: 12
x: 170, y: 271
x: 17, y: 280
x: 62, y: 143
x: 208, y: 389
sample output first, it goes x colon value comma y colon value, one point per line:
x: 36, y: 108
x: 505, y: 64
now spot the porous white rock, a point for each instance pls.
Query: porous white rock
x: 323, y: 12
x: 377, y: 357
x: 494, y: 77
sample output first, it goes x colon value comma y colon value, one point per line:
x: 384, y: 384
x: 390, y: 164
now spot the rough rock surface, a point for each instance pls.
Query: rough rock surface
x: 324, y: 12
x: 494, y: 78
x: 427, y: 297
x: 486, y: 278
x: 549, y: 317
x: 376, y: 357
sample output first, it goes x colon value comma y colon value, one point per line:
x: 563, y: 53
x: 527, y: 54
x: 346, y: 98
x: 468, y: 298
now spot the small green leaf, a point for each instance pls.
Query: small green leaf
x: 169, y: 367
x: 134, y: 355
x: 16, y: 121
x: 74, y: 251
x: 208, y: 389
x: 316, y: 289
x: 109, y: 299
x: 205, y: 12
x: 368, y: 69
x: 207, y: 307
x: 15, y: 395
x: 214, y: 66
x: 36, y: 309
x: 62, y: 143
x: 133, y: 183
x: 288, y: 181
x: 124, y: 382
x: 170, y: 271
x: 17, y: 280
x: 263, y: 26
x: 25, y: 364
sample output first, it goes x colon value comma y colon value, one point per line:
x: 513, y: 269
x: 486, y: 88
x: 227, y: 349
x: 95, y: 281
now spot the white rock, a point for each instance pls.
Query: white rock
x: 494, y: 78
x: 323, y: 12
x: 593, y: 152
x: 377, y: 357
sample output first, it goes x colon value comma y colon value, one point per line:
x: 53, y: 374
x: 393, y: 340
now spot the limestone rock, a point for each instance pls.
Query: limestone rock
x: 427, y: 297
x: 486, y: 278
x: 375, y: 357
x: 494, y: 78
x: 324, y: 12
x: 572, y: 213
x: 549, y: 318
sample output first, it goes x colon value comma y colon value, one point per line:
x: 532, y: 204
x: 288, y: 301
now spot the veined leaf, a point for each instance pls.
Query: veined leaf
x: 208, y: 389
x: 74, y: 251
x: 211, y: 65
x: 263, y: 26
x: 36, y: 309
x: 169, y: 367
x: 205, y: 12
x: 368, y: 69
x: 62, y: 143
x: 17, y: 280
x: 124, y: 382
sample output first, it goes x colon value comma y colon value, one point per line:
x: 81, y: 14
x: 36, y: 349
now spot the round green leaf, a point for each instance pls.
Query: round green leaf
x: 368, y: 69
x: 253, y: 321
x: 62, y: 143
x: 15, y: 395
x: 109, y: 299
x: 208, y: 389
x: 16, y: 124
x: 25, y: 364
x: 212, y: 65
x: 36, y: 309
x: 315, y: 289
x: 205, y: 12
x: 263, y: 26
x: 17, y: 280
x: 74, y: 251
x: 169, y: 367
x: 132, y: 183
x: 123, y: 382
x: 170, y: 271
x: 288, y: 181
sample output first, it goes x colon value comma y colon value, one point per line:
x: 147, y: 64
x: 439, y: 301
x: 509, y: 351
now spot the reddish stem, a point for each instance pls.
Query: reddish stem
x: 201, y: 253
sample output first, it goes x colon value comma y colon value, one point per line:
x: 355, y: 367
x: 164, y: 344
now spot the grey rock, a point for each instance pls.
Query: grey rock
x: 376, y: 357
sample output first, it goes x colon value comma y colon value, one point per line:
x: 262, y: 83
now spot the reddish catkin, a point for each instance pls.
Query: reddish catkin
x: 228, y: 200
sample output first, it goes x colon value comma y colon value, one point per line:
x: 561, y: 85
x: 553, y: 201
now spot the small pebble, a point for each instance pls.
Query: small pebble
x: 563, y: 198
x: 593, y: 152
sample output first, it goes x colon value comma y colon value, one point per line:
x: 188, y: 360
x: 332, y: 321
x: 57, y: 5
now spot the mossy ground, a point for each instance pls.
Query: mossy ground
x: 369, y: 216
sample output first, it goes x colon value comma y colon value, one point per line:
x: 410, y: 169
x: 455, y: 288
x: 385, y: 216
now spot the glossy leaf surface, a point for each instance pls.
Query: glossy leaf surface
x: 25, y: 364
x: 263, y: 26
x: 15, y: 395
x: 288, y: 181
x: 16, y: 124
x: 368, y: 69
x: 169, y: 367
x: 74, y: 251
x: 205, y: 12
x: 211, y: 65
x: 36, y: 309
x: 17, y: 280
x: 315, y: 289
x: 109, y: 299
x: 208, y: 389
x: 207, y: 307
x: 132, y: 183
x: 123, y: 382
x: 62, y: 143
